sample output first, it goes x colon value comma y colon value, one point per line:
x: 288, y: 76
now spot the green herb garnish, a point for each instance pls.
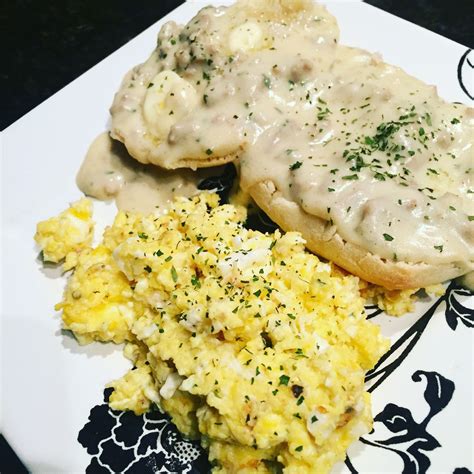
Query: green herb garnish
x: 174, y: 274
x: 296, y: 165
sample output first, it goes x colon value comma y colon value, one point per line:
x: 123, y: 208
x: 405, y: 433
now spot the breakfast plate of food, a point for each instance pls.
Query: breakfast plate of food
x: 261, y: 254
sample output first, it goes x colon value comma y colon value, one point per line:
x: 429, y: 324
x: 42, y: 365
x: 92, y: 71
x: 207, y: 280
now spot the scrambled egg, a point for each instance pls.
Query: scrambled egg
x: 396, y: 302
x: 62, y: 236
x: 248, y: 341
x: 98, y: 300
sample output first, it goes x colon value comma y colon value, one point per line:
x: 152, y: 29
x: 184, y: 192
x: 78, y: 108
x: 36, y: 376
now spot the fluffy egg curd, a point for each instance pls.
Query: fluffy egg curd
x: 62, y: 236
x: 248, y: 341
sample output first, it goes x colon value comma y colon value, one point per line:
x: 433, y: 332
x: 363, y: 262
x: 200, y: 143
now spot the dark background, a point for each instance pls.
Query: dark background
x: 47, y: 44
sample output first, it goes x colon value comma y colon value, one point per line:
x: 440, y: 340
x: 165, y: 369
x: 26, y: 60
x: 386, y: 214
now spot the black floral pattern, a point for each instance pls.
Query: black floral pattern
x: 372, y: 311
x: 126, y: 443
x: 222, y: 184
x: 465, y: 71
x: 411, y: 439
x: 258, y: 220
x: 455, y: 310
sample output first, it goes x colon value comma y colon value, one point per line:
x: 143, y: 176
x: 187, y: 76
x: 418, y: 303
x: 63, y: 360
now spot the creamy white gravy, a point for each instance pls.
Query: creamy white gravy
x: 201, y: 52
x: 357, y: 142
x: 108, y: 172
x: 366, y: 147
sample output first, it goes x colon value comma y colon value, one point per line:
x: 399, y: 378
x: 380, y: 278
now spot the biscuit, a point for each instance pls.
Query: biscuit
x: 353, y: 258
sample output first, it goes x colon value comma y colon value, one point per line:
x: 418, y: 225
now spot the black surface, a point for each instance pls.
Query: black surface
x: 451, y: 18
x: 48, y: 44
x: 9, y: 462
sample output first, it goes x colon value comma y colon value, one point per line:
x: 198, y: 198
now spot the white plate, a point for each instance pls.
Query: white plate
x: 50, y: 384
